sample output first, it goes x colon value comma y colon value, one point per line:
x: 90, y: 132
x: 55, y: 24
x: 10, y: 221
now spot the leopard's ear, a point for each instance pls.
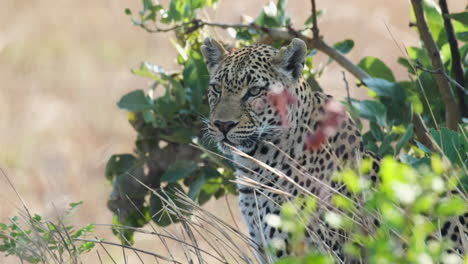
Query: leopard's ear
x: 290, y: 59
x: 214, y: 54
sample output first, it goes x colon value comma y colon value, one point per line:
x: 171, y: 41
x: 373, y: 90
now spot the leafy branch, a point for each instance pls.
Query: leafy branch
x: 452, y: 111
x: 314, y: 42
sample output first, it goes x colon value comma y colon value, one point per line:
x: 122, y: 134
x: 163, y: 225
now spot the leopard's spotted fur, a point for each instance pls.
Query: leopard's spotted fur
x: 242, y: 117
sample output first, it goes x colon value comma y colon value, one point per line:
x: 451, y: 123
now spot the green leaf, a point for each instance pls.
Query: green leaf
x: 405, y: 138
x: 376, y: 131
x: 196, y: 186
x: 310, y: 19
x: 435, y: 22
x: 86, y: 246
x: 126, y: 185
x: 386, y: 147
x: 195, y: 79
x: 386, y: 89
x: 405, y: 63
x: 422, y: 147
x: 119, y: 164
x: 180, y: 135
x: 244, y: 34
x: 462, y: 17
x: 135, y: 219
x: 376, y: 68
x: 161, y: 210
x: 75, y: 205
x: 290, y: 260
x: 451, y: 206
x: 149, y: 70
x: 166, y: 107
x: 463, y: 36
x: 179, y: 170
x: 128, y: 11
x: 281, y: 18
x: 344, y: 46
x: 450, y: 143
x: 371, y: 110
x: 135, y: 101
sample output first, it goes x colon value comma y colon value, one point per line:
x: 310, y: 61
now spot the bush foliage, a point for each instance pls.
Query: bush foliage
x: 424, y: 159
x: 165, y: 125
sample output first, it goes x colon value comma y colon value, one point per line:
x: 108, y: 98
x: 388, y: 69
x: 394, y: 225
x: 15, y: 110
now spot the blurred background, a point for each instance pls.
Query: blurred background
x: 64, y: 64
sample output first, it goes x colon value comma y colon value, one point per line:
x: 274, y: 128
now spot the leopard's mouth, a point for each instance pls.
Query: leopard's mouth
x: 225, y: 140
x: 246, y: 145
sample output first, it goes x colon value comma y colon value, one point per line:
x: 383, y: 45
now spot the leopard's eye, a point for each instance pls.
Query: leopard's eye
x: 215, y: 88
x: 254, y: 91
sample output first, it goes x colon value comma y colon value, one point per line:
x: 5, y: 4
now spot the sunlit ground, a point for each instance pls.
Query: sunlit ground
x: 64, y: 64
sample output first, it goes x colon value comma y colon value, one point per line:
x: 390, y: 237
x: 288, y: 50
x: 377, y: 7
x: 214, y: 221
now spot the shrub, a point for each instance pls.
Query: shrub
x: 416, y: 120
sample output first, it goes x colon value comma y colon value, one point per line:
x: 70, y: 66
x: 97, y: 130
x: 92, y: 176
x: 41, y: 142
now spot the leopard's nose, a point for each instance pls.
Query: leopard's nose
x: 225, y: 126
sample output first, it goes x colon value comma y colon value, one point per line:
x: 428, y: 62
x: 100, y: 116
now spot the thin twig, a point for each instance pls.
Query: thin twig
x: 462, y: 89
x: 348, y: 96
x: 315, y: 29
x: 283, y: 34
x: 101, y: 244
x: 230, y: 211
x: 128, y: 247
x: 99, y: 256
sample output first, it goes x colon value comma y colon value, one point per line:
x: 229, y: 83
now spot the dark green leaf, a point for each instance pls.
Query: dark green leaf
x: 422, y: 147
x: 344, y: 46
x: 179, y: 135
x: 462, y: 17
x: 405, y: 138
x: 179, y: 170
x: 386, y: 89
x: 376, y: 131
x: 243, y: 34
x: 127, y: 185
x: 371, y: 110
x: 119, y: 164
x: 196, y: 186
x: 196, y: 80
x: 415, y: 162
x: 405, y: 63
x: 463, y: 36
x: 386, y: 147
x: 166, y: 107
x: 450, y: 143
x: 149, y: 117
x: 161, y: 210
x: 135, y: 101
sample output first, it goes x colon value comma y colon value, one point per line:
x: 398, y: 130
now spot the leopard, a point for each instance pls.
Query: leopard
x: 268, y: 146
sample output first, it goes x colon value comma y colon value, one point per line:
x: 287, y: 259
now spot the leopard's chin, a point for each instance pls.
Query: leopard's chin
x: 227, y: 147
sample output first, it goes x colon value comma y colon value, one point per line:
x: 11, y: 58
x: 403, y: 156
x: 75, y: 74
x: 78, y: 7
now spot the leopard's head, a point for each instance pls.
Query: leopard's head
x: 241, y: 82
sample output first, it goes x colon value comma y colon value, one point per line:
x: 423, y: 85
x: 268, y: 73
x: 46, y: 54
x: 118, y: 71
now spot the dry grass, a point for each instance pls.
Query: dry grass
x: 64, y: 64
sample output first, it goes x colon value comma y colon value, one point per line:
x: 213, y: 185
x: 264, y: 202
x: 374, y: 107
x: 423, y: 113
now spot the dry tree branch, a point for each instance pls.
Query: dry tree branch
x: 457, y: 66
x: 315, y: 42
x: 452, y: 111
